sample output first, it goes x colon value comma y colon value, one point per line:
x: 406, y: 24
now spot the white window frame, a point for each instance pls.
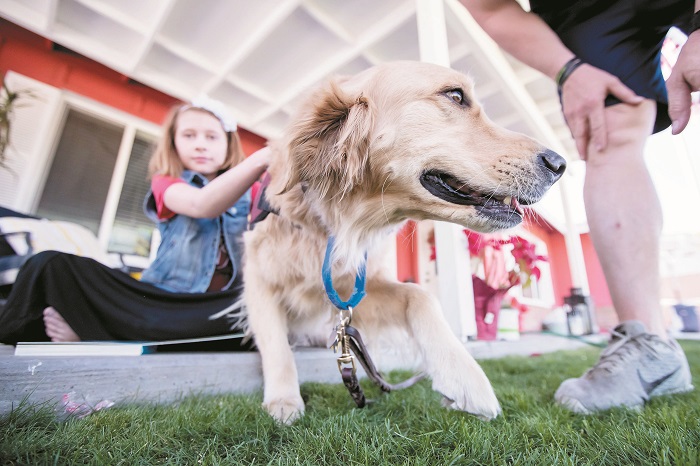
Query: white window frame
x: 132, y: 125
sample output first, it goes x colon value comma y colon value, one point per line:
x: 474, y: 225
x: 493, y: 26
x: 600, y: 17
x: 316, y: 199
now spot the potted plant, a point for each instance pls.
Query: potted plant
x: 8, y: 103
x: 488, y: 255
x: 489, y: 291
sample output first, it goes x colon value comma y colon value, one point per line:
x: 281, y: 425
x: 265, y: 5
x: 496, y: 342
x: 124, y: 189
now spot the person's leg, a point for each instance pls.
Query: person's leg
x: 625, y: 219
x: 57, y: 328
x: 624, y: 216
x: 59, y: 280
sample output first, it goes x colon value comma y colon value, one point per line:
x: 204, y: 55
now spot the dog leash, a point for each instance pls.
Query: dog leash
x: 347, y: 339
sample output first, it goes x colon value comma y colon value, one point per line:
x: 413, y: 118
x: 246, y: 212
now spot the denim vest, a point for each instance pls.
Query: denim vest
x: 189, y: 247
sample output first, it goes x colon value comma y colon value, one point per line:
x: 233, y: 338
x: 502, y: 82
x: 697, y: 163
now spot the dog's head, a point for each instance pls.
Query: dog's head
x: 410, y: 140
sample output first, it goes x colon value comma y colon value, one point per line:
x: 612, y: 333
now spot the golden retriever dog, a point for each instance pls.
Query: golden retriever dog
x: 403, y: 140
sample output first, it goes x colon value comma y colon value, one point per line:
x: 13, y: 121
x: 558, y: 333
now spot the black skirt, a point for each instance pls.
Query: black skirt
x: 100, y: 303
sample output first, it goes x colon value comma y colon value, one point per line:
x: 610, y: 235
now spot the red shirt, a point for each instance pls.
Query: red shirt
x: 159, y: 184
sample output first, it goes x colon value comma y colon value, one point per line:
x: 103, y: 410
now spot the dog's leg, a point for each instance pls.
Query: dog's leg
x: 454, y: 372
x: 268, y: 322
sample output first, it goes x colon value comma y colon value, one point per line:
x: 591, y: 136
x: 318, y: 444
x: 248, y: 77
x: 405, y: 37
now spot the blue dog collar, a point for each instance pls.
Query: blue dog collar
x: 357, y: 293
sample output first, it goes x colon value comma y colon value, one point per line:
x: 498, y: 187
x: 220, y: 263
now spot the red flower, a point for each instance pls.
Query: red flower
x: 489, y: 250
x: 483, y: 247
x: 525, y: 256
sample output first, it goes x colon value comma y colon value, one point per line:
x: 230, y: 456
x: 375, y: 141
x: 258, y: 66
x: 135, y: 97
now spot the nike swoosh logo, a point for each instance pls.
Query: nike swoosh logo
x: 650, y: 386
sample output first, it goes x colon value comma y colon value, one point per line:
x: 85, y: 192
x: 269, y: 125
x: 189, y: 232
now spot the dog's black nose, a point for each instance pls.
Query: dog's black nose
x: 553, y: 162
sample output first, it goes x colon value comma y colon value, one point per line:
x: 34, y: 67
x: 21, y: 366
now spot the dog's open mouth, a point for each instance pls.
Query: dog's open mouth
x: 449, y: 189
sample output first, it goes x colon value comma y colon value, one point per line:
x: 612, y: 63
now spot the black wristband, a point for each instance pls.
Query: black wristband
x: 566, y: 71
x: 695, y: 22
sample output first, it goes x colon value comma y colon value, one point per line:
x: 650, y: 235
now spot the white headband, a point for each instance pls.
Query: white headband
x: 228, y: 122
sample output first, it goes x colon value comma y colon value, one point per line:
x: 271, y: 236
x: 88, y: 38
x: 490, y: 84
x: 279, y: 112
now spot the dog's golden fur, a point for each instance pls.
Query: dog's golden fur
x: 353, y: 165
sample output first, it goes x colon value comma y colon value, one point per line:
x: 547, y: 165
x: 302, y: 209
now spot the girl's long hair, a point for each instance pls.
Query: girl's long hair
x: 165, y: 160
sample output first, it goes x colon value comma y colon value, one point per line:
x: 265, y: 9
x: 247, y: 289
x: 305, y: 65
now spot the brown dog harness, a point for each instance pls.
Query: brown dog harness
x: 260, y: 208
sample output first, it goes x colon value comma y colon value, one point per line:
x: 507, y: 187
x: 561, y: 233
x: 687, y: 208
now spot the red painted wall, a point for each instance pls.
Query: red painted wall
x: 34, y: 56
x: 558, y: 261
x: 407, y: 253
x: 596, y: 279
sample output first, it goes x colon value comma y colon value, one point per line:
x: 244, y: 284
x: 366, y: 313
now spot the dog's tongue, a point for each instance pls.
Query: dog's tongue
x: 516, y: 205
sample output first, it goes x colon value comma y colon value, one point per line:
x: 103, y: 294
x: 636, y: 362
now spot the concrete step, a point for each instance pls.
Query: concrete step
x: 168, y: 377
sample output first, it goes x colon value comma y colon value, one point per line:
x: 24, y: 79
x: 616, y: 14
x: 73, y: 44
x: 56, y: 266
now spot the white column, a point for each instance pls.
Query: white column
x: 432, y: 32
x: 572, y: 239
x: 454, y: 274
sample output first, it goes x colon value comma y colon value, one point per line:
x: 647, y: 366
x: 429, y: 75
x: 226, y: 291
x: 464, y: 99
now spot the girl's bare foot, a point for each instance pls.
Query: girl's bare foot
x: 57, y: 328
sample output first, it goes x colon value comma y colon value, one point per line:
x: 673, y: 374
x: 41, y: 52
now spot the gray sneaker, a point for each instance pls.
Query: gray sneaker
x: 634, y: 367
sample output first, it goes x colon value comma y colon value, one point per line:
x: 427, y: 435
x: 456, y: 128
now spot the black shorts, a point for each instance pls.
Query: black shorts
x: 622, y: 37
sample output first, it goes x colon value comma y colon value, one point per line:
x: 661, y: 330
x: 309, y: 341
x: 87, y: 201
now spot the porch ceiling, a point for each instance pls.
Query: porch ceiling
x: 260, y: 57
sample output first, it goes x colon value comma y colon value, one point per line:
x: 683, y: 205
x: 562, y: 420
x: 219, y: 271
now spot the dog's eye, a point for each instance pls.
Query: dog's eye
x: 457, y: 96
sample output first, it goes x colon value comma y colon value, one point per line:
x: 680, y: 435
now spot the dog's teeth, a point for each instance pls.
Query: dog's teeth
x: 506, y: 200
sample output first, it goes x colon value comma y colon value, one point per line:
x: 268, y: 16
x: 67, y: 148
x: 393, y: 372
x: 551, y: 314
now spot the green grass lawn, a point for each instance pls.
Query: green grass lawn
x: 408, y: 427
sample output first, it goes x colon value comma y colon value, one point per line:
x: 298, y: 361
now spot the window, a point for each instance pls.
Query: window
x: 98, y: 178
x: 79, y: 177
x: 77, y: 160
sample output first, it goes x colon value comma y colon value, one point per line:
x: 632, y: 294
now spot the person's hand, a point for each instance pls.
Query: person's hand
x: 583, y: 102
x: 262, y: 156
x: 684, y: 79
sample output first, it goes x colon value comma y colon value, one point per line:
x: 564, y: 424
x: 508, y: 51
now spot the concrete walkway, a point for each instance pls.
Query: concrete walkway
x: 167, y: 377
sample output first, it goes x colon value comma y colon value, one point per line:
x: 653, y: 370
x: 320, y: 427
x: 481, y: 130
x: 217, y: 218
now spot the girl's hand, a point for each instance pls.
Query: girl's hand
x: 222, y: 192
x: 262, y: 156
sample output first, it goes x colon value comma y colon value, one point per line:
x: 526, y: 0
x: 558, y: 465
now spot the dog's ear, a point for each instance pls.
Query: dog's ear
x: 329, y: 146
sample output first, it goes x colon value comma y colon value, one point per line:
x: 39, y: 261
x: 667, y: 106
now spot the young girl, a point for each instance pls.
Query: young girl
x: 200, y: 200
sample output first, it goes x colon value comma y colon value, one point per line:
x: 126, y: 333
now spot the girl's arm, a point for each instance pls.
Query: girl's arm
x: 221, y: 193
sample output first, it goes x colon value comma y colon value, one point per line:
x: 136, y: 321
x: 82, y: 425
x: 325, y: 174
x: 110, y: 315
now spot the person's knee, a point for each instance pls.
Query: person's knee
x: 45, y: 259
x: 44, y: 256
x: 630, y: 125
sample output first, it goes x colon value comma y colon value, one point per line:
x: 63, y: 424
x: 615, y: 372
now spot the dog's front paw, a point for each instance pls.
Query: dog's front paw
x: 468, y: 390
x: 285, y: 410
x: 486, y: 413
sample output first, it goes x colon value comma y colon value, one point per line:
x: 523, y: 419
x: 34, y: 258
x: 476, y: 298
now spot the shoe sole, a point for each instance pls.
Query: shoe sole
x: 686, y: 389
x: 574, y: 405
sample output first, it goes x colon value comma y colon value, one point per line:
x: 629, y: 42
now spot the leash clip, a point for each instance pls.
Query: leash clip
x: 343, y: 340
